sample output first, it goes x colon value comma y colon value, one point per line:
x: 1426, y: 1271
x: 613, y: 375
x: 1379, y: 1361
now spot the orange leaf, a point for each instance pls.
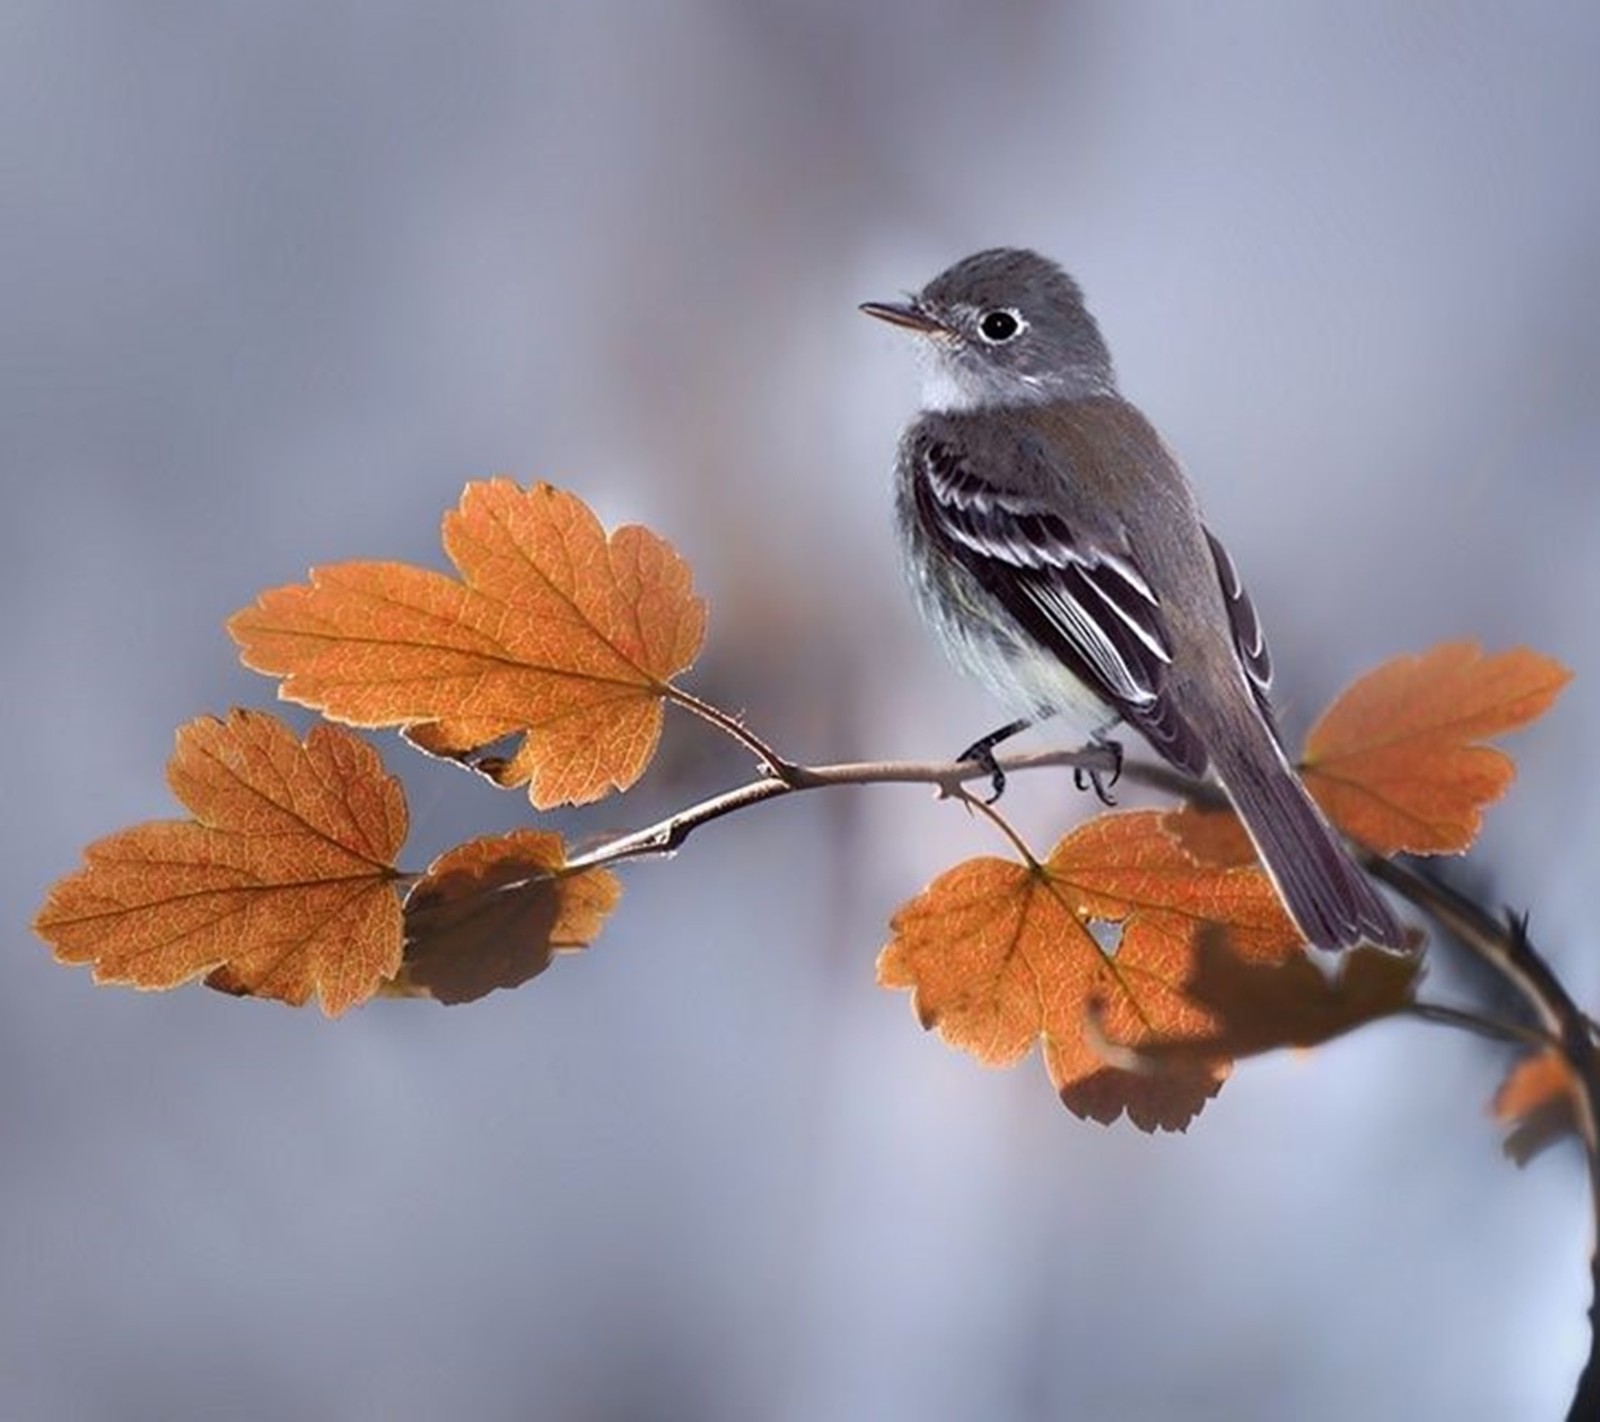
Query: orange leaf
x: 1261, y: 1006
x: 282, y: 883
x: 1210, y: 836
x: 554, y: 630
x: 1396, y: 760
x: 1535, y: 1101
x: 494, y: 912
x: 1000, y: 955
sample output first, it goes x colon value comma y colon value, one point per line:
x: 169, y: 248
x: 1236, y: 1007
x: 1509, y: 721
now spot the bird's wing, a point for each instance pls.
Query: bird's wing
x: 1079, y: 594
x: 1249, y: 641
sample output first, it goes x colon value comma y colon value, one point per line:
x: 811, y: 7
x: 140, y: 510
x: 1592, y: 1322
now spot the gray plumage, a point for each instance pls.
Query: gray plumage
x: 1056, y: 548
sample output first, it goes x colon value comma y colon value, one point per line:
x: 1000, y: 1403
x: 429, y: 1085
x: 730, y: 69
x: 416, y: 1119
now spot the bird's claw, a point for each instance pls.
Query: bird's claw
x: 1089, y: 778
x: 981, y: 754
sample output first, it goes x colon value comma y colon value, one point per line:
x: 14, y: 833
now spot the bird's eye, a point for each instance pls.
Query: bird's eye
x: 997, y: 327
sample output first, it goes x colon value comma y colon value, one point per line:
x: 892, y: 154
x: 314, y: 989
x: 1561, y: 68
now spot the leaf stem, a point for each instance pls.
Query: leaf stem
x: 733, y: 726
x: 1000, y: 822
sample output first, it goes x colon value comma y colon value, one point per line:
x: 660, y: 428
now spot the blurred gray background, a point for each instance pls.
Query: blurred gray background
x: 277, y: 279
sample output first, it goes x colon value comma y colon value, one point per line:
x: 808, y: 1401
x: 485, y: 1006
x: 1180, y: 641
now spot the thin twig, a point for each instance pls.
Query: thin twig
x: 733, y: 726
x: 1207, y: 794
x: 1506, y: 947
x: 949, y: 777
x: 1000, y: 822
x: 1509, y: 1033
x: 1478, y: 931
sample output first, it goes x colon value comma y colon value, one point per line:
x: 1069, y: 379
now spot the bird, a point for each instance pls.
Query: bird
x: 1056, y: 548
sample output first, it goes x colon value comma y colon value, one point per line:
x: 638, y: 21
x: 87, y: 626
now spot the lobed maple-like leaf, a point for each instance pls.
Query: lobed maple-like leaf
x: 1398, y: 762
x: 1535, y: 1103
x: 553, y: 631
x: 494, y: 912
x: 1000, y: 955
x: 281, y: 886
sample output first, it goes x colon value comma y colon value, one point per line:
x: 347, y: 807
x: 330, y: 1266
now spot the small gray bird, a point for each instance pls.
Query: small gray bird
x: 1057, y: 551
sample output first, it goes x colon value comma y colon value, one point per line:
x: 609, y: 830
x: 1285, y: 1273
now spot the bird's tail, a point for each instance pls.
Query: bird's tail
x: 1331, y: 900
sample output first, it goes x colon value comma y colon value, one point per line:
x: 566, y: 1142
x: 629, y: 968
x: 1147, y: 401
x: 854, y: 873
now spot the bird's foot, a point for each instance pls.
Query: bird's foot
x: 981, y: 754
x: 1089, y: 778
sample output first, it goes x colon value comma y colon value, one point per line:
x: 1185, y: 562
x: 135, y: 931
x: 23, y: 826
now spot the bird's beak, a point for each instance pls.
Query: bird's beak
x: 906, y: 314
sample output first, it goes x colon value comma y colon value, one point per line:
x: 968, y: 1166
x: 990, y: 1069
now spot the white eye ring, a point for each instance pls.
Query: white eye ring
x: 1001, y: 324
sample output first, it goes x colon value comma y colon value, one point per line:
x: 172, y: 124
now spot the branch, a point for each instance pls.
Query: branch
x: 948, y: 777
x: 1506, y: 947
x: 1491, y: 1029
